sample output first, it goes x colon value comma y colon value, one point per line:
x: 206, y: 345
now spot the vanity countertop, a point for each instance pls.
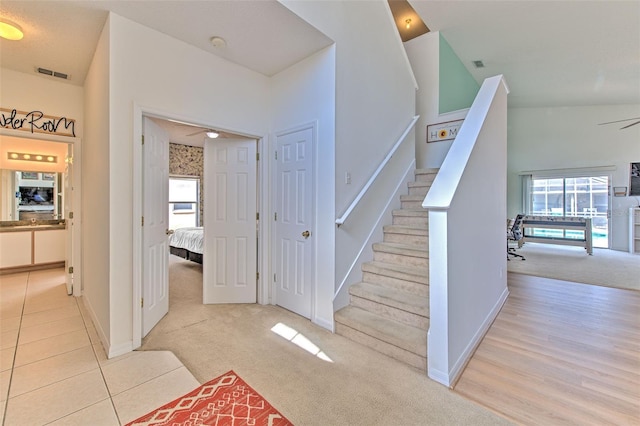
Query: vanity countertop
x: 27, y: 225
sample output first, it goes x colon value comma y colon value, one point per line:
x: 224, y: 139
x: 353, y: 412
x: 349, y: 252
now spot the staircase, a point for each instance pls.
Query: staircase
x: 389, y: 309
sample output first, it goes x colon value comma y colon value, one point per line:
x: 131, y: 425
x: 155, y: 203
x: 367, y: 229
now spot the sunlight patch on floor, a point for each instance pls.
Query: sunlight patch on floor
x: 299, y: 340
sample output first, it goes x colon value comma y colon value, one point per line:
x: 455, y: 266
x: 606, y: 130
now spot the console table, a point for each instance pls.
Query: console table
x: 557, y: 222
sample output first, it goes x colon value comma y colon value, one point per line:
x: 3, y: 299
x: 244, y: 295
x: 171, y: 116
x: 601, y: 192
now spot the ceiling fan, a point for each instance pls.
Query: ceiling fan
x: 622, y: 121
x: 211, y: 133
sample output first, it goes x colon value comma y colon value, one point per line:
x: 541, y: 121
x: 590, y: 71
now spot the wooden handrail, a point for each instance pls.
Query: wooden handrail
x: 342, y: 219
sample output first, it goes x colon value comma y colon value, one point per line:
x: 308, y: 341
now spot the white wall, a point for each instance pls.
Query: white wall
x: 302, y: 94
x: 570, y: 137
x: 149, y: 70
x: 375, y: 101
x: 52, y: 96
x: 95, y: 195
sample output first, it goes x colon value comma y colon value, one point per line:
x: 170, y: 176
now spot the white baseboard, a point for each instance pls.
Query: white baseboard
x: 110, y: 350
x: 121, y: 349
x: 324, y: 323
x: 464, y: 358
x: 439, y: 376
x: 101, y: 334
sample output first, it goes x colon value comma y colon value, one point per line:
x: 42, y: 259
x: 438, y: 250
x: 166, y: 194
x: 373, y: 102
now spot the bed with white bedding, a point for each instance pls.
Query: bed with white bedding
x: 187, y: 243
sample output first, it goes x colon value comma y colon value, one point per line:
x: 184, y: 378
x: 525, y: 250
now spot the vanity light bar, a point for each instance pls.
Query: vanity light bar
x: 23, y: 156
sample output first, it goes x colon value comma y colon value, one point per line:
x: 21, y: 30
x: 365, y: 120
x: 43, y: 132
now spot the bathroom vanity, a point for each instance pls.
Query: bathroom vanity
x: 30, y: 245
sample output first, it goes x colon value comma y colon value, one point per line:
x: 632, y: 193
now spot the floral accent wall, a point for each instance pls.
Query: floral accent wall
x: 187, y: 160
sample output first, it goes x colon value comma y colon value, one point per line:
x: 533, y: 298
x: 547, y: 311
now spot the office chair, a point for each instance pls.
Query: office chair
x: 515, y: 234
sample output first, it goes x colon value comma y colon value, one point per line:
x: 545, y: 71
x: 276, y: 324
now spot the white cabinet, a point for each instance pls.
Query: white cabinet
x: 15, y: 249
x: 634, y: 230
x: 32, y: 247
x: 49, y: 246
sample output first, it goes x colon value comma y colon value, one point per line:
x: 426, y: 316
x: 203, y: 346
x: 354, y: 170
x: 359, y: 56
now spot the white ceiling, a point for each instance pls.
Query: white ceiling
x: 551, y: 52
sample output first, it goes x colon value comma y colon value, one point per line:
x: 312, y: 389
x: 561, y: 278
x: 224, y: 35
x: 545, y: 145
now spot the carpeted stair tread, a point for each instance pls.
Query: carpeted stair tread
x: 407, y: 230
x: 411, y: 212
x: 405, y: 272
x: 405, y: 197
x: 419, y: 184
x: 402, y: 249
x: 412, y: 339
x: 395, y: 352
x: 391, y: 297
x: 432, y: 170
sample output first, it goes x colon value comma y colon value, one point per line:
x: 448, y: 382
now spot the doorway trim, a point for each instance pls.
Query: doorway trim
x: 76, y: 142
x: 263, y: 187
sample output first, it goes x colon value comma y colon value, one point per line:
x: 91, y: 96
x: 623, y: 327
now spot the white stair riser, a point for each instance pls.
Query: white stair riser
x: 425, y: 177
x: 419, y: 289
x: 391, y: 312
x: 388, y: 349
x: 419, y: 190
x: 411, y: 204
x: 411, y: 220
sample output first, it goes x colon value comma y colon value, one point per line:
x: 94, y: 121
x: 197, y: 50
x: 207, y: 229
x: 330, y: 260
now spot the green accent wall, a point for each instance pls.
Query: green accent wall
x: 458, y: 88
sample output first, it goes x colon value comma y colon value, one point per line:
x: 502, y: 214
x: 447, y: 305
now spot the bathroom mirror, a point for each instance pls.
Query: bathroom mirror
x: 30, y: 195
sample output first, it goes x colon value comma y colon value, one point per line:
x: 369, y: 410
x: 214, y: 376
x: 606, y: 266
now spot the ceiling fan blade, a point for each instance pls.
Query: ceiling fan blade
x: 197, y: 133
x: 629, y: 125
x: 619, y: 121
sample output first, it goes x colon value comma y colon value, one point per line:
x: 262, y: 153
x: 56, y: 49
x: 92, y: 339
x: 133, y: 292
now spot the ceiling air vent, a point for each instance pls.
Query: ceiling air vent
x: 478, y: 64
x: 53, y: 73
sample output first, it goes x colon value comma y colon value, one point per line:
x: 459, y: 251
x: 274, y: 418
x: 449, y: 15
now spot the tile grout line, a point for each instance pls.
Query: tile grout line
x: 95, y: 355
x: 15, y: 351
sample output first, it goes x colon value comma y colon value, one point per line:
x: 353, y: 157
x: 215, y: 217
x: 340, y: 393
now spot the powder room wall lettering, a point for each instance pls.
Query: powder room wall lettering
x: 37, y: 122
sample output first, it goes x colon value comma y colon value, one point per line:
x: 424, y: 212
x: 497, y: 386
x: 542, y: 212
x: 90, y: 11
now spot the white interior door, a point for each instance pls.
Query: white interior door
x: 295, y: 221
x: 155, y: 256
x: 230, y: 240
x: 69, y: 221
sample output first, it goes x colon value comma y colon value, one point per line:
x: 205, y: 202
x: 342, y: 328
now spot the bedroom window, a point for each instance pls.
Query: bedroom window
x: 184, y: 204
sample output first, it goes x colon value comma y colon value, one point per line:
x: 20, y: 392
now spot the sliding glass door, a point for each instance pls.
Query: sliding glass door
x: 583, y: 196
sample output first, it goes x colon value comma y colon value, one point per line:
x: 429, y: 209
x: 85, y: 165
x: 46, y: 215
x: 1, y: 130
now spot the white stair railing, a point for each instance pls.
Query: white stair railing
x: 467, y: 216
x: 342, y: 219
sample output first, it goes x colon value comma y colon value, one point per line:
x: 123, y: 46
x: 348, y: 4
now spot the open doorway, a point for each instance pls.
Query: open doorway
x: 40, y: 180
x: 184, y: 163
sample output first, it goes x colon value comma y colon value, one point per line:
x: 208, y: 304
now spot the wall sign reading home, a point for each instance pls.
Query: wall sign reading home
x: 37, y: 122
x: 443, y: 131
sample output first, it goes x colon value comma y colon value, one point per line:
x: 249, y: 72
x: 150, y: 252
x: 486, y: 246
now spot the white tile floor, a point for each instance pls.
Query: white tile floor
x: 53, y: 370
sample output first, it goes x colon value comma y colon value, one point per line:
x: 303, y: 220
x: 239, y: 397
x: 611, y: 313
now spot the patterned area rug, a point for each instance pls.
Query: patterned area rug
x: 224, y: 401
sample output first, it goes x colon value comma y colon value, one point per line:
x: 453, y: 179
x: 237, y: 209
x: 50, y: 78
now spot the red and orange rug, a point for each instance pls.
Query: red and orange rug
x: 224, y: 401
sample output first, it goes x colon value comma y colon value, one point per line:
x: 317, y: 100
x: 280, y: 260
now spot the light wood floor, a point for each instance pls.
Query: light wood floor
x: 560, y: 353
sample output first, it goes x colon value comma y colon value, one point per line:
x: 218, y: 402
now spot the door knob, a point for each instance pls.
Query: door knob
x: 169, y: 231
x: 306, y: 234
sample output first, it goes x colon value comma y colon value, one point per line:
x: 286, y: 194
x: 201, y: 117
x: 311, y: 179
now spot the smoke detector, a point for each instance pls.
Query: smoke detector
x: 218, y: 42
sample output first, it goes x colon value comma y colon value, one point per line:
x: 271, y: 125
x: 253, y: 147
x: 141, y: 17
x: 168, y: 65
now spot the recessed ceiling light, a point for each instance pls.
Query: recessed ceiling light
x: 10, y: 30
x: 218, y: 42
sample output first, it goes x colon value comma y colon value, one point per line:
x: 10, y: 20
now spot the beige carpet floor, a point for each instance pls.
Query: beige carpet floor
x: 609, y: 268
x: 311, y: 375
